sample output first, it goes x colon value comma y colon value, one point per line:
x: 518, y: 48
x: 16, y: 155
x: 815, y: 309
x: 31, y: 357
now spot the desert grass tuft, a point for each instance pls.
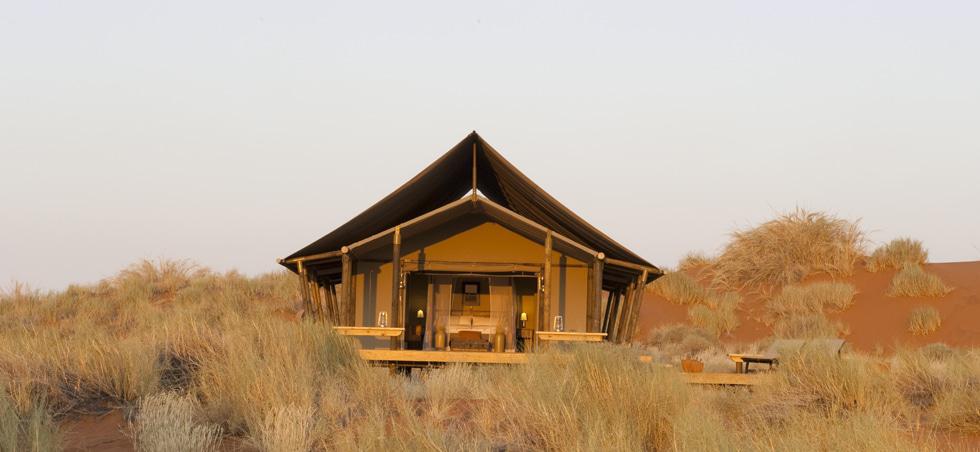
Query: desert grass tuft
x: 27, y: 428
x: 695, y: 261
x: 717, y: 313
x: 924, y: 320
x: 785, y: 250
x: 680, y: 288
x: 807, y: 326
x: 166, y: 422
x: 811, y: 299
x: 895, y: 254
x: 913, y: 281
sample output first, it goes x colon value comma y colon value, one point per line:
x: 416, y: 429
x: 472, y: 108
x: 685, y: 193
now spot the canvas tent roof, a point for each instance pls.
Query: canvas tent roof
x: 451, y: 177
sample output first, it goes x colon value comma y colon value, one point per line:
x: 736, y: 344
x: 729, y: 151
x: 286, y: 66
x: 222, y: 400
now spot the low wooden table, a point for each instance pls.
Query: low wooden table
x: 368, y: 331
x: 569, y: 336
x: 742, y: 361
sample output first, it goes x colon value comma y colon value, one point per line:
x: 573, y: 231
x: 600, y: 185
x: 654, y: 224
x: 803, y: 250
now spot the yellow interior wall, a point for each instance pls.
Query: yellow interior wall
x: 485, y: 242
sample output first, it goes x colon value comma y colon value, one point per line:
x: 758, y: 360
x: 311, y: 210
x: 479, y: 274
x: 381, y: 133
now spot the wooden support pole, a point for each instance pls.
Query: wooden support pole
x: 613, y: 314
x: 634, y: 318
x: 304, y: 289
x: 332, y: 290
x: 328, y: 305
x: 346, y: 281
x: 625, y: 308
x: 605, y: 317
x: 546, y: 285
x: 594, y: 304
x: 314, y: 302
x: 396, y: 277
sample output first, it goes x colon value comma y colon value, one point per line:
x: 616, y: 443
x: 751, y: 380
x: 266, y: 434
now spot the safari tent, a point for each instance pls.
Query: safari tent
x: 470, y: 248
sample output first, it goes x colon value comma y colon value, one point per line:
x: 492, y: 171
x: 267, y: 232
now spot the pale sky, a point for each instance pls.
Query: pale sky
x: 232, y: 133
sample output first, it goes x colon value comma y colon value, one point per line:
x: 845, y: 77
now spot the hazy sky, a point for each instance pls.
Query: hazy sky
x: 232, y: 133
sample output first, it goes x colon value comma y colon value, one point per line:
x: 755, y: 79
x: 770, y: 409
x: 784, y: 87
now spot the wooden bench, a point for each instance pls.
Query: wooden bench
x: 771, y: 355
x: 368, y: 331
x: 569, y: 336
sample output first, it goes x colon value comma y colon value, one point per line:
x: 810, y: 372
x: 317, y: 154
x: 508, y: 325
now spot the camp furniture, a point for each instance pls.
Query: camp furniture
x: 784, y: 346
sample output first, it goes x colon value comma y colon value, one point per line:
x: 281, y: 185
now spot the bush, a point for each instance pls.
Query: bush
x: 897, y: 253
x: 807, y: 326
x: 680, y: 288
x: 720, y: 319
x: 680, y: 341
x: 695, y: 261
x: 30, y: 429
x: 165, y: 422
x: 785, y: 250
x: 811, y: 299
x: 924, y: 320
x: 913, y: 281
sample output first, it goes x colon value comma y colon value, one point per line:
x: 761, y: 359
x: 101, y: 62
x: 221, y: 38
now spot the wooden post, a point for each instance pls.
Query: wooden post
x: 605, y: 317
x: 624, y: 309
x: 346, y: 281
x: 594, y: 302
x: 396, y: 276
x: 314, y: 298
x: 546, y: 284
x: 332, y: 289
x: 328, y: 303
x: 304, y: 289
x: 641, y: 284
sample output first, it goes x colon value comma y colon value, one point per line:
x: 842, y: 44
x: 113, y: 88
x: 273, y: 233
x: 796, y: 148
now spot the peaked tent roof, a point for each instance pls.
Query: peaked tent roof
x: 451, y: 177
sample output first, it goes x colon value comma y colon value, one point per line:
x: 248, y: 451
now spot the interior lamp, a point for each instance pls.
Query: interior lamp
x: 523, y: 319
x: 420, y: 314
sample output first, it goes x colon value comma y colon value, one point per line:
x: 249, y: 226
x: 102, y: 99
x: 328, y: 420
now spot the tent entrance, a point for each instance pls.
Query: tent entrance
x: 469, y: 308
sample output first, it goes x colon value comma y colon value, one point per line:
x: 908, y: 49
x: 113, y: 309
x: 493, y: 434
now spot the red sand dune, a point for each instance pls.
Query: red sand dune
x: 874, y: 319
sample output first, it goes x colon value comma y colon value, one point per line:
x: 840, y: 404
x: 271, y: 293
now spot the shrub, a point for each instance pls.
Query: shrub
x: 913, y: 281
x: 30, y: 428
x: 679, y: 340
x: 680, y: 288
x: 811, y: 298
x: 165, y: 423
x: 924, y: 320
x: 286, y: 429
x: 785, y: 250
x: 694, y: 261
x: 719, y: 320
x: 807, y: 326
x: 897, y: 253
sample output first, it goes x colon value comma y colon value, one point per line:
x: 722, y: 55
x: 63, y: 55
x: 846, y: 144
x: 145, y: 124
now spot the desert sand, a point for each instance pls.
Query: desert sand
x: 874, y: 322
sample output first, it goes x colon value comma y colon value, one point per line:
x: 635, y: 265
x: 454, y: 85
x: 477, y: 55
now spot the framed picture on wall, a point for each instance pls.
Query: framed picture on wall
x: 471, y: 293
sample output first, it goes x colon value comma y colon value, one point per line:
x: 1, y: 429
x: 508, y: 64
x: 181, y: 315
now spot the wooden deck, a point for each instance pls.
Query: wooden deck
x: 437, y: 358
x: 723, y: 379
x: 368, y: 331
x: 569, y: 336
x: 427, y: 358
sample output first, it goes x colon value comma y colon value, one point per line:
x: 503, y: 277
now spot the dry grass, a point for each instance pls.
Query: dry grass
x: 811, y: 299
x: 28, y: 428
x: 913, y: 281
x: 799, y: 310
x: 166, y: 422
x: 807, y: 326
x: 679, y: 287
x: 717, y: 314
x: 695, y: 261
x: 924, y: 320
x: 895, y: 254
x: 203, y: 351
x: 785, y: 250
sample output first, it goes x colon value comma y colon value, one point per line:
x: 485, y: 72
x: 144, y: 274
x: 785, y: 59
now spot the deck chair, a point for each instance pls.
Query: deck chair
x: 784, y: 346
